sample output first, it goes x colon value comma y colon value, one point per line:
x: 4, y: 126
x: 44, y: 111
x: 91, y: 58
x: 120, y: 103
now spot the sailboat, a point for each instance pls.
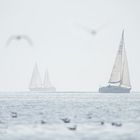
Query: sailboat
x: 36, y: 84
x: 47, y: 83
x: 119, y: 81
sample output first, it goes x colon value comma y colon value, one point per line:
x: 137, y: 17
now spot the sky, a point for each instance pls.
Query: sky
x: 75, y: 59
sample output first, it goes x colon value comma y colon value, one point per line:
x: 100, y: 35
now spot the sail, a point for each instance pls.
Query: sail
x: 125, y: 80
x: 117, y: 68
x: 36, y: 78
x: 120, y: 72
x: 47, y: 82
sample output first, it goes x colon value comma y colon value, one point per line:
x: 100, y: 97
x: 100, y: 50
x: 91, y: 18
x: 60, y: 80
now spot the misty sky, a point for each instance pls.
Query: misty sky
x: 75, y: 59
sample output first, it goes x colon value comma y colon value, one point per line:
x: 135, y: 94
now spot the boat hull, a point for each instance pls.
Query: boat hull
x: 50, y: 89
x: 114, y: 89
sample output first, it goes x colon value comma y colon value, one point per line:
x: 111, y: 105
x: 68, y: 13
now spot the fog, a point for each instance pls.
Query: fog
x: 76, y: 60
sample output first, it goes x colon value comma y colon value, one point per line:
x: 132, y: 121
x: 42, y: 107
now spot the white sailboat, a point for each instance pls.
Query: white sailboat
x: 47, y: 83
x: 36, y: 84
x: 119, y: 81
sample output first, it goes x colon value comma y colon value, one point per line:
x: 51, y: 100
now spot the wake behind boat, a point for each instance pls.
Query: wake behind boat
x: 36, y: 84
x: 119, y: 80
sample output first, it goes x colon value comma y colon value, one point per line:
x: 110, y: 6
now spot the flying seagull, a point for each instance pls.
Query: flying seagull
x: 72, y: 128
x: 91, y: 30
x: 18, y: 38
x: 66, y: 120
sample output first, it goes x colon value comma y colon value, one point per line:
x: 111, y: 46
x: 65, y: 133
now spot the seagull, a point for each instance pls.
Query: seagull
x: 72, y: 128
x: 66, y: 120
x: 116, y: 124
x: 89, y: 115
x: 18, y: 38
x: 102, y: 122
x: 43, y: 122
x: 91, y: 30
x: 14, y: 114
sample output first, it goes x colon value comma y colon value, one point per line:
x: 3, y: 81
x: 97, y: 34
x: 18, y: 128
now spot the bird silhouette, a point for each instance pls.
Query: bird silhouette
x: 18, y: 38
x: 43, y: 122
x: 102, y: 122
x: 116, y: 124
x: 66, y: 120
x: 72, y: 128
x: 14, y: 114
x: 91, y: 30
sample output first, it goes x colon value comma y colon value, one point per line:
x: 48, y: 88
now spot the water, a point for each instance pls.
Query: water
x: 38, y: 116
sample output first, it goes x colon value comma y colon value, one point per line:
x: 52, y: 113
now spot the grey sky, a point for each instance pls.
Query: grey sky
x: 75, y: 59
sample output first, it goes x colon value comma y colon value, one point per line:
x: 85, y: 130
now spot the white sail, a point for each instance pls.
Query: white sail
x: 47, y: 82
x: 117, y: 68
x: 125, y: 80
x: 120, y: 72
x: 35, y: 79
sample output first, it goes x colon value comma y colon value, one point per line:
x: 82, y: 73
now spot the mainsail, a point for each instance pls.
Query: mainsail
x: 120, y: 72
x: 36, y: 78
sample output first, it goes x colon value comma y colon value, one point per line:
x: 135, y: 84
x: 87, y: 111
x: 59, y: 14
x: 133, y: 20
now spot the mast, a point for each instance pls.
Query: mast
x: 36, y: 78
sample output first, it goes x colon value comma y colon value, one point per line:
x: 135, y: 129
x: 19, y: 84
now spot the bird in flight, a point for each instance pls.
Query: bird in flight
x: 18, y: 38
x: 90, y: 30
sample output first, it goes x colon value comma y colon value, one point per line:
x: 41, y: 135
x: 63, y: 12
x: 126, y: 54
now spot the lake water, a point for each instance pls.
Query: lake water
x: 38, y: 116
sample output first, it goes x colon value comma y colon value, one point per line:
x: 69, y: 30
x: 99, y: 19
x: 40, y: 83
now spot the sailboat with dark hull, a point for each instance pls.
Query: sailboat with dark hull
x: 119, y: 81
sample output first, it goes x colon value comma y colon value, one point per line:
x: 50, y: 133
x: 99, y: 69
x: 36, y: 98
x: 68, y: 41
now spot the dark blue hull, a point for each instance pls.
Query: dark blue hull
x: 114, y: 89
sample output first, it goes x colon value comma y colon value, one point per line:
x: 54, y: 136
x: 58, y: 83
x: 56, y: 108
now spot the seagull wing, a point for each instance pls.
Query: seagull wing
x: 28, y: 39
x: 10, y: 39
x: 102, y: 27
